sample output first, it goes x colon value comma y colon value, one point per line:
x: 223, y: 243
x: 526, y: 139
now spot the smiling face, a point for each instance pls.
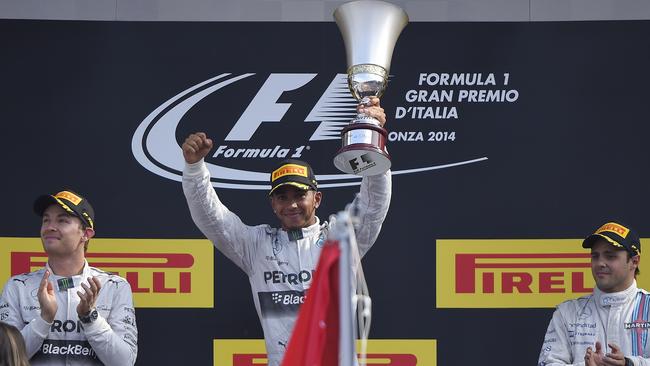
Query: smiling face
x: 613, y: 271
x: 294, y: 207
x: 61, y: 233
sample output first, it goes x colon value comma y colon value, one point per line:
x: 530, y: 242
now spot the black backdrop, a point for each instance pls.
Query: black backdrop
x: 568, y: 153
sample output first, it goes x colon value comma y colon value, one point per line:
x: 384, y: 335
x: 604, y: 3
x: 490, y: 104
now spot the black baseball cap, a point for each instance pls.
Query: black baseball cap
x: 71, y: 202
x: 293, y: 172
x: 618, y: 235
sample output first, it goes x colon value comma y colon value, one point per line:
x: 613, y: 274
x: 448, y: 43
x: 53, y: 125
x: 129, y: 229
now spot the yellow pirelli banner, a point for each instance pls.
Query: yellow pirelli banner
x: 509, y: 273
x: 163, y: 273
x: 380, y: 352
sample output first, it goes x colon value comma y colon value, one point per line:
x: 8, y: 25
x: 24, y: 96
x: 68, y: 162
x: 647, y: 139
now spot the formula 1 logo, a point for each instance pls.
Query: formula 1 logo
x: 255, y: 120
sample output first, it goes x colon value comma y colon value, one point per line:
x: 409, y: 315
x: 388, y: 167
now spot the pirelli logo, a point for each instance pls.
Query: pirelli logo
x: 289, y: 169
x: 517, y: 277
x: 162, y: 272
x: 512, y: 273
x: 69, y: 196
x: 380, y: 352
x: 614, y: 228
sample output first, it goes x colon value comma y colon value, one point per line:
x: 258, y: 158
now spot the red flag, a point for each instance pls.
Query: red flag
x: 315, y: 338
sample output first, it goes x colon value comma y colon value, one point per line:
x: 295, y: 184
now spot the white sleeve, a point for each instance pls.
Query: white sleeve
x: 556, y: 349
x: 35, y: 331
x: 372, y: 204
x: 115, y: 339
x: 221, y: 226
x: 639, y: 361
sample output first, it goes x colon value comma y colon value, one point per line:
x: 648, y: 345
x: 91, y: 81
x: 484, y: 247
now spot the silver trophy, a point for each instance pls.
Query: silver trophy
x: 370, y: 29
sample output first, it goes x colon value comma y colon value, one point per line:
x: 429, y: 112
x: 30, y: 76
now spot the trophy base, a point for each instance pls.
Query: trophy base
x: 364, y: 150
x: 362, y: 160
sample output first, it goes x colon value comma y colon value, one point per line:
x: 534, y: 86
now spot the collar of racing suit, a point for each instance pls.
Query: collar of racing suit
x: 77, y: 279
x: 305, y: 232
x: 615, y: 298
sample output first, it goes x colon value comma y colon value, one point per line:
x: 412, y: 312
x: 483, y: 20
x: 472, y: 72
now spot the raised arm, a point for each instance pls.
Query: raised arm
x: 374, y: 196
x: 221, y: 226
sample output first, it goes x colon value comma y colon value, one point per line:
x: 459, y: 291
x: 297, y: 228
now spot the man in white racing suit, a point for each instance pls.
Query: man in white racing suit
x: 279, y: 262
x: 68, y: 312
x: 610, y: 326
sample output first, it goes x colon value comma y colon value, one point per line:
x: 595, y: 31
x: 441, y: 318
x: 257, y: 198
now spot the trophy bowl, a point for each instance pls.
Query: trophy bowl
x: 370, y: 29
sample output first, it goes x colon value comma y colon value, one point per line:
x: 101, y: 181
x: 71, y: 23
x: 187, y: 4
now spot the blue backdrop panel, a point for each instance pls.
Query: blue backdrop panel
x: 545, y: 131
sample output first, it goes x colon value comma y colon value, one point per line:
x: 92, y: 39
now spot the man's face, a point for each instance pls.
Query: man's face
x: 611, y: 268
x: 294, y: 207
x: 61, y: 233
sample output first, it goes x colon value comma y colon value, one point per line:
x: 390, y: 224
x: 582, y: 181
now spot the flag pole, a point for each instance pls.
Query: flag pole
x: 346, y: 333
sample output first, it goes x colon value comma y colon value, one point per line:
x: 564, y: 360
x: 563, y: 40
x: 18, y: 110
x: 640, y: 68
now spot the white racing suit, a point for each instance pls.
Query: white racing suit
x: 279, y: 268
x: 620, y: 318
x: 110, y: 340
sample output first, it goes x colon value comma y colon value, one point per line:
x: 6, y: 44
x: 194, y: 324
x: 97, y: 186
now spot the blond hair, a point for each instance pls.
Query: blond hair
x: 12, y: 346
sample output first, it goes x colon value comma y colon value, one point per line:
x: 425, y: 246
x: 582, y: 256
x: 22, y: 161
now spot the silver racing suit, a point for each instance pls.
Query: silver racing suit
x: 620, y: 318
x: 112, y: 339
x: 279, y: 264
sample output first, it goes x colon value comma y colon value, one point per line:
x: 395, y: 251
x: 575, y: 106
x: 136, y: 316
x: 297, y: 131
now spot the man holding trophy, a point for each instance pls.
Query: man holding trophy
x: 280, y: 261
